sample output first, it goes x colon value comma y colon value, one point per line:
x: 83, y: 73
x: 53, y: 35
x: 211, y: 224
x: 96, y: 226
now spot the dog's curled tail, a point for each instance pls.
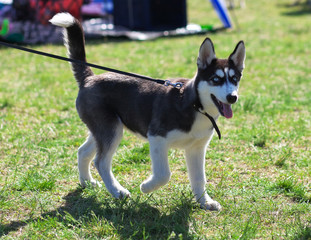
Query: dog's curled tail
x: 74, y: 41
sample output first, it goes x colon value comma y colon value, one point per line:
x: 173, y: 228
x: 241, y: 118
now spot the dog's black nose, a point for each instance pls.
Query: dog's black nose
x: 232, y: 98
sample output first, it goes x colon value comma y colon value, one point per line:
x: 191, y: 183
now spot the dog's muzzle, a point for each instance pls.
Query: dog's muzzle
x: 223, y: 108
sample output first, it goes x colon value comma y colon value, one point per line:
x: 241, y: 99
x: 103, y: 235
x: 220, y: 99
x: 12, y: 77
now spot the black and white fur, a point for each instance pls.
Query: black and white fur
x: 163, y: 115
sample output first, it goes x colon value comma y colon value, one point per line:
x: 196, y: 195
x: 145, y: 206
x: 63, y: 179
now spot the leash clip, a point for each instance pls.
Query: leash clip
x: 175, y: 85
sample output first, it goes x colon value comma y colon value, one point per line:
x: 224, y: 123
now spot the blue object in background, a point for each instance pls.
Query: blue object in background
x: 97, y: 8
x: 222, y: 12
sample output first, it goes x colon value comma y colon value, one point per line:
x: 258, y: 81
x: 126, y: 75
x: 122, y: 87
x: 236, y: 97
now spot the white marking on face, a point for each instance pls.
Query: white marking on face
x: 220, y: 73
x: 234, y: 93
x: 205, y: 92
x: 231, y: 72
x: 226, y: 73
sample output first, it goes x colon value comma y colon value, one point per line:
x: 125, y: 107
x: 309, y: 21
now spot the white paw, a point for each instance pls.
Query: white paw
x: 121, y: 193
x: 153, y: 183
x: 145, y: 187
x: 93, y: 182
x: 149, y: 186
x: 211, y: 205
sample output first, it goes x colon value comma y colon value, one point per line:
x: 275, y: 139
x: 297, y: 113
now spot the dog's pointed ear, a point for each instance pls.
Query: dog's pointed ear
x: 206, y: 54
x: 238, y: 56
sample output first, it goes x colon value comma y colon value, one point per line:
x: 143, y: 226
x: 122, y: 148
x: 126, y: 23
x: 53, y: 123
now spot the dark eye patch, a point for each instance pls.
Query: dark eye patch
x: 234, y: 79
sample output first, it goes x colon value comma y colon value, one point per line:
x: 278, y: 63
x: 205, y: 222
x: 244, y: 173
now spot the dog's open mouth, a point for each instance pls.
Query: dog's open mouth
x: 223, y: 108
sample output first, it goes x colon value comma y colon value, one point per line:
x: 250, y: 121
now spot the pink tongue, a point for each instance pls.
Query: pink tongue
x: 227, y: 110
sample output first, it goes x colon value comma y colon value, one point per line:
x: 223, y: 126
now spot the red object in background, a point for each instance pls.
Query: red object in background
x: 46, y: 9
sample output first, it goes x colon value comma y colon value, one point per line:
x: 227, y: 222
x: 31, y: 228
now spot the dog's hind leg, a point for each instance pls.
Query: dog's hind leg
x: 195, y: 158
x: 107, y: 141
x: 161, y: 173
x: 85, y: 155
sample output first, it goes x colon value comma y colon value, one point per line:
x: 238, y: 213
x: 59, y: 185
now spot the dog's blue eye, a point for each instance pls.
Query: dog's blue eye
x: 215, y: 79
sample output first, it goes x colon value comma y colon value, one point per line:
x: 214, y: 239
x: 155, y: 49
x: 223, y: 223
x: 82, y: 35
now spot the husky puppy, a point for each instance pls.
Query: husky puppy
x: 166, y: 116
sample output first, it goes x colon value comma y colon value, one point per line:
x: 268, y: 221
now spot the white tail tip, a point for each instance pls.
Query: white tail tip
x: 63, y: 20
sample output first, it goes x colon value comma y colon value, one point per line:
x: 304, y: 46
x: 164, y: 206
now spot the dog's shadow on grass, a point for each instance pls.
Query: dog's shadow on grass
x: 129, y: 218
x: 296, y: 10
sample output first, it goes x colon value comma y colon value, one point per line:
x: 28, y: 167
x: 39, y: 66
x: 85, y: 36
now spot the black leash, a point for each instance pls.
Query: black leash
x: 84, y: 63
x: 160, y: 81
x: 198, y: 106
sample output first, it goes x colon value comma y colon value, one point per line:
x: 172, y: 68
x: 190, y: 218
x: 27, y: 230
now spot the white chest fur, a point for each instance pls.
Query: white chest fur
x: 202, y: 130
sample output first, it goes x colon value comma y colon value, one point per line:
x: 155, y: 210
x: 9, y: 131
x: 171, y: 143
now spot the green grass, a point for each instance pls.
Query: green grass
x: 260, y: 171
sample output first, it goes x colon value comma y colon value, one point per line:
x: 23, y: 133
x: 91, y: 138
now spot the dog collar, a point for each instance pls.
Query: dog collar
x: 198, y: 106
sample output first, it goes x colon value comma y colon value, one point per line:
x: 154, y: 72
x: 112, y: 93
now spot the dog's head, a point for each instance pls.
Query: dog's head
x: 217, y: 80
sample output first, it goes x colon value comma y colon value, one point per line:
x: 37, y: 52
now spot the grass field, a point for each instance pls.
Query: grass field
x: 260, y: 171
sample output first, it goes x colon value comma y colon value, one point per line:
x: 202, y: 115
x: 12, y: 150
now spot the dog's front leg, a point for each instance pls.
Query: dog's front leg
x: 195, y: 157
x: 161, y: 173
